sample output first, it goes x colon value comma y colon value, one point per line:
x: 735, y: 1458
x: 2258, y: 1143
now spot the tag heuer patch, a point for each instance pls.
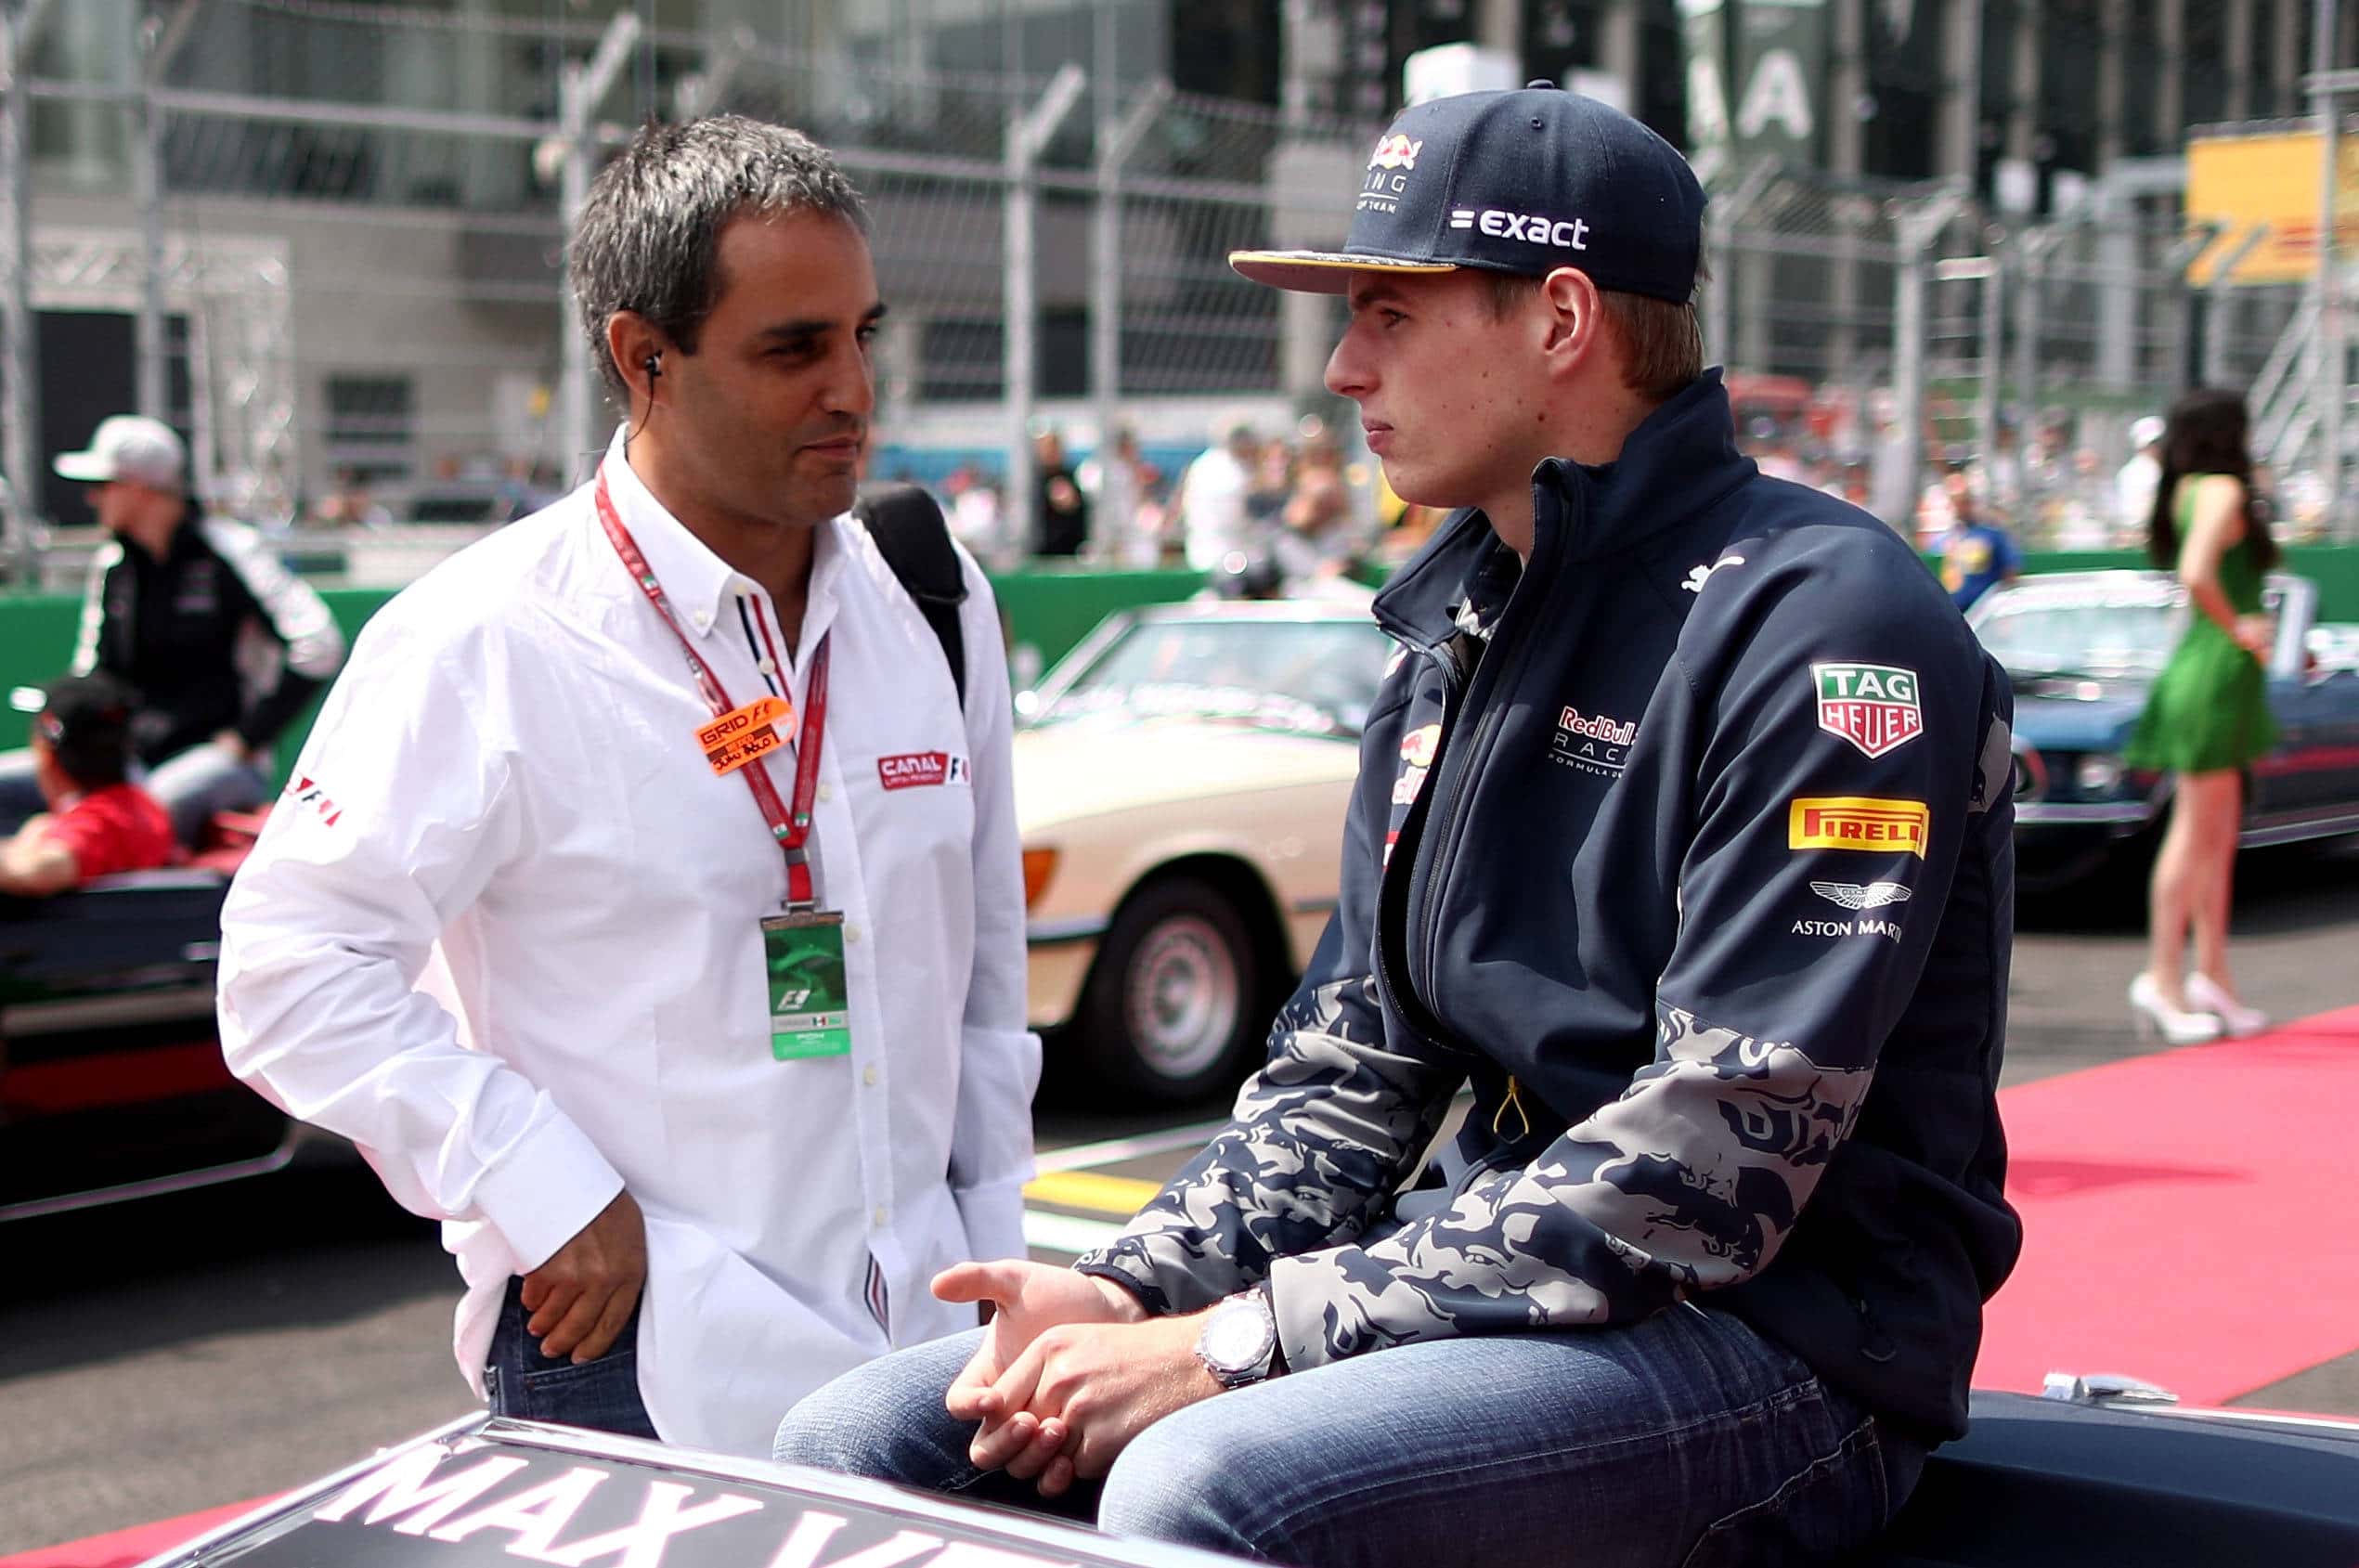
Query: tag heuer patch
x: 1872, y: 705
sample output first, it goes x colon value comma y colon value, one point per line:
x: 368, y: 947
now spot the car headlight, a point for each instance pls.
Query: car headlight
x: 1039, y: 866
x: 2098, y: 773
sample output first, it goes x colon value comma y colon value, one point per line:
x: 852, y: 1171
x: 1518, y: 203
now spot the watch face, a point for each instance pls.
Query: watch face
x: 1237, y: 1337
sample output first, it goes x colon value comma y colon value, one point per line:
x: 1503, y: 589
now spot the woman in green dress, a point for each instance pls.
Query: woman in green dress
x: 2207, y: 719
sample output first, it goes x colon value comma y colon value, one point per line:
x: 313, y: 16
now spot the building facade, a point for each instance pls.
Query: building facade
x: 360, y: 203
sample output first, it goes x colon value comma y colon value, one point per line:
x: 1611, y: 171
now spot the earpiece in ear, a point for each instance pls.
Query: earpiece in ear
x: 654, y: 365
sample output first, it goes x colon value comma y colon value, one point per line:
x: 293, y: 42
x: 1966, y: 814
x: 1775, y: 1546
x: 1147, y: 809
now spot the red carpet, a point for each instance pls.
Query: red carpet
x: 2186, y: 1216
x: 123, y: 1548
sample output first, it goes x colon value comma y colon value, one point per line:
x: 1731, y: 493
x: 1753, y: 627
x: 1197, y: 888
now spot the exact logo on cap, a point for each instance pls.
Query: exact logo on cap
x: 1388, y: 174
x: 1569, y: 234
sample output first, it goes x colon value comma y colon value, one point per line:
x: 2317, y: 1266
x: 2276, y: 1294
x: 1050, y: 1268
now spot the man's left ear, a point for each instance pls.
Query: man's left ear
x: 1574, y: 312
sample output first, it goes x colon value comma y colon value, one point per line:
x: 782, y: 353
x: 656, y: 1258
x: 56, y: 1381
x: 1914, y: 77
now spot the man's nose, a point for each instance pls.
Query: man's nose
x: 1347, y: 372
x: 852, y: 384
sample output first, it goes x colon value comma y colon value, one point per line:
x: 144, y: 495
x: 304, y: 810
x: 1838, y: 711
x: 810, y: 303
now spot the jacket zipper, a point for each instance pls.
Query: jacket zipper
x: 1500, y: 1153
x: 1397, y: 997
x: 1449, y: 798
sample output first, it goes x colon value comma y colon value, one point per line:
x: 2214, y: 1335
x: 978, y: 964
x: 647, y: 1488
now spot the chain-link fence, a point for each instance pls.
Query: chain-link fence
x: 327, y: 239
x: 1882, y: 335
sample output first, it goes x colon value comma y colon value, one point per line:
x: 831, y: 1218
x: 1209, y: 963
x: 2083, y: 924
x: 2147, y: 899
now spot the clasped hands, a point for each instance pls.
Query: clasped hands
x: 1071, y: 1369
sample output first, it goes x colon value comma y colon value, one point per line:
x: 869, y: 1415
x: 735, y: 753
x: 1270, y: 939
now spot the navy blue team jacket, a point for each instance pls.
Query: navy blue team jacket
x: 1689, y: 846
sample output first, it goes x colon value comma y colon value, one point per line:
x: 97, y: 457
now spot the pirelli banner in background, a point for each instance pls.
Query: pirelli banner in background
x: 2238, y: 181
x: 1756, y: 69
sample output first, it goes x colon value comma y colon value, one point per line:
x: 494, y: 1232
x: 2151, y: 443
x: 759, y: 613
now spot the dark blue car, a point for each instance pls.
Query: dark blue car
x: 2083, y: 647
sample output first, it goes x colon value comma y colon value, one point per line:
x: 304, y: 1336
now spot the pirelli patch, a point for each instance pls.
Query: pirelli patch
x: 1858, y: 821
x: 1872, y: 705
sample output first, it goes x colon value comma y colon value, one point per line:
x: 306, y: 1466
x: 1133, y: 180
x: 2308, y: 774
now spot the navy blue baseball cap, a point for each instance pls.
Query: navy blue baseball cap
x: 1521, y: 182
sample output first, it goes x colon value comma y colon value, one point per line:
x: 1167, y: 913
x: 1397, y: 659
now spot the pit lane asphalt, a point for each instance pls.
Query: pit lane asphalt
x: 213, y: 1347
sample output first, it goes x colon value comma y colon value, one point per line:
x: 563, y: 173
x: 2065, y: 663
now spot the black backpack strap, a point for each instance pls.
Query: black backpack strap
x: 914, y: 540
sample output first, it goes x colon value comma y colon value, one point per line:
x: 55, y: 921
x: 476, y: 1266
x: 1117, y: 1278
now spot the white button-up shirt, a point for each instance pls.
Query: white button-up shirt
x: 508, y: 769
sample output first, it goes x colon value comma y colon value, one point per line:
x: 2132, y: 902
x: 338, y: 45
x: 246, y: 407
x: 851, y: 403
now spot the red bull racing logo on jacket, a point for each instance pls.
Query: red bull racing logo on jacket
x: 1872, y: 705
x: 1593, y: 742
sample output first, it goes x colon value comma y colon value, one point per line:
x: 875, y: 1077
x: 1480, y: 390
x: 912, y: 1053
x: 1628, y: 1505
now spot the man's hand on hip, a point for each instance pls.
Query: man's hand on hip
x: 582, y: 1296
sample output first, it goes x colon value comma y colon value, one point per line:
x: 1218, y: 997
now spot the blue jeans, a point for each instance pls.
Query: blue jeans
x: 201, y: 780
x: 190, y: 788
x: 1686, y: 1439
x: 601, y: 1395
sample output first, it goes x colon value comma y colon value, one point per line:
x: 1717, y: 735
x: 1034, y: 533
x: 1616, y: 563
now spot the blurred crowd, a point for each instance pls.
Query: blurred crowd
x: 1264, y: 512
x: 2057, y: 479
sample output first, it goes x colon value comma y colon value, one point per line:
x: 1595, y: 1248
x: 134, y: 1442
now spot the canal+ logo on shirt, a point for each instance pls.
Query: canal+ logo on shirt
x: 914, y: 769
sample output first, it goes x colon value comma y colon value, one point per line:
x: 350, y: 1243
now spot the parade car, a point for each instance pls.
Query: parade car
x: 2100, y: 1475
x: 1181, y: 782
x: 2083, y: 649
x: 111, y: 1081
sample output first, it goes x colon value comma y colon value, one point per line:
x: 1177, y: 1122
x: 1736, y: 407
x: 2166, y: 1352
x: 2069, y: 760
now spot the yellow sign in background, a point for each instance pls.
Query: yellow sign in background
x: 2273, y: 178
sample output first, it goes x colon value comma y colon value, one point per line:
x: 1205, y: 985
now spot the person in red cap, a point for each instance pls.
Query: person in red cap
x: 1682, y: 849
x: 99, y: 824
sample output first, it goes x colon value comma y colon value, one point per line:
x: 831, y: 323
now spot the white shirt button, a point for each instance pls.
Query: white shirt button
x: 852, y: 933
x: 826, y: 793
x: 702, y: 620
x: 768, y: 666
x: 882, y: 1215
x: 868, y: 1076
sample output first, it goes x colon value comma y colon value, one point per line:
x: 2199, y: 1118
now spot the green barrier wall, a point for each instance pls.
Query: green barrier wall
x: 1047, y: 611
x: 2334, y: 568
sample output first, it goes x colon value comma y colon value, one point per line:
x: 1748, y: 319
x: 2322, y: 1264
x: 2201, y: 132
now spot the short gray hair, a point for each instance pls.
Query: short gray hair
x: 648, y: 239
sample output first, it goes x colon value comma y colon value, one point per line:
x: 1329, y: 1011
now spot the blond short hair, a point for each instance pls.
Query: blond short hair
x: 1662, y: 340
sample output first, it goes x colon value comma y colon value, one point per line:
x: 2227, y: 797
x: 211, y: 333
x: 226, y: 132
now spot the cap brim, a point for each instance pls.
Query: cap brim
x: 90, y: 466
x: 1321, y: 272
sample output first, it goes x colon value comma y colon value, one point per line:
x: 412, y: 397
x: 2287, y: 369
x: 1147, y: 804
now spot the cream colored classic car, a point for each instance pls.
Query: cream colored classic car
x: 1180, y: 780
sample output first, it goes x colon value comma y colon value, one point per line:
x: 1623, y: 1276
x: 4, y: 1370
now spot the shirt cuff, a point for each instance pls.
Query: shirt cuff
x: 994, y: 1216
x: 546, y: 1189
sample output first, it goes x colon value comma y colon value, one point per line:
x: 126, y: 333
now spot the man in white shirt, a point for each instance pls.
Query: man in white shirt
x: 2135, y: 481
x: 730, y: 1057
x: 1211, y: 502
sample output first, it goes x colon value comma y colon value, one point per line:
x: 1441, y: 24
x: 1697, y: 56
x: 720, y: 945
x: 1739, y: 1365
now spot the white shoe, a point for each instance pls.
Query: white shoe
x: 2212, y: 997
x: 2155, y: 1016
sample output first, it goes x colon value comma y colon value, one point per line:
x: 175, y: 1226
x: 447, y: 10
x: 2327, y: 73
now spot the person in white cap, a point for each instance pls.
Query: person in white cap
x: 2134, y: 485
x: 222, y: 642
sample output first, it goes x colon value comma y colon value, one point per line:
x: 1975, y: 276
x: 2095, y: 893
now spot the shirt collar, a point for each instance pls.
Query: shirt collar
x: 700, y: 584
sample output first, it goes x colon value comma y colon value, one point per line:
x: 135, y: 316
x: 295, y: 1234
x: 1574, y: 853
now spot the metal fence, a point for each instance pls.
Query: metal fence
x: 326, y: 237
x: 336, y: 231
x: 2024, y: 349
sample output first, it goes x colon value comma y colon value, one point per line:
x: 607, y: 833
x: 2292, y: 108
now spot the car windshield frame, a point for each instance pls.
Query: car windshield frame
x: 1289, y: 692
x: 2156, y: 607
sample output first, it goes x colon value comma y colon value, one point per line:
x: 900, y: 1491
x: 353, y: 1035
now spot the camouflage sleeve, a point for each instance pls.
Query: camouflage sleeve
x: 1686, y: 1182
x: 1829, y: 778
x: 1322, y: 1134
x: 1321, y: 1137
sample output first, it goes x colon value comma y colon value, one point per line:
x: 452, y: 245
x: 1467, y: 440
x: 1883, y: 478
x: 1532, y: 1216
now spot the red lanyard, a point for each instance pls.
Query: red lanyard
x: 792, y: 831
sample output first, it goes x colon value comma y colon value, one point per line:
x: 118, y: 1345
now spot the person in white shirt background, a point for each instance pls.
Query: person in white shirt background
x: 678, y: 1201
x: 2135, y: 481
x: 1212, y: 491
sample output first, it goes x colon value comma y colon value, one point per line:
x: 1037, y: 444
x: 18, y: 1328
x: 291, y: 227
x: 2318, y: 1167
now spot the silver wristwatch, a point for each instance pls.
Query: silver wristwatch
x: 1239, y: 1342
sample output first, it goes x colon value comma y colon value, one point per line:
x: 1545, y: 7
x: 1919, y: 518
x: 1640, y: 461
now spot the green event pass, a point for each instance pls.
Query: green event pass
x: 810, y: 1010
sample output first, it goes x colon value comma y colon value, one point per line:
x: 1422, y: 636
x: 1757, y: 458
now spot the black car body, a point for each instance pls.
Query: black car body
x: 2037, y: 1482
x: 2083, y: 649
x: 111, y: 1081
